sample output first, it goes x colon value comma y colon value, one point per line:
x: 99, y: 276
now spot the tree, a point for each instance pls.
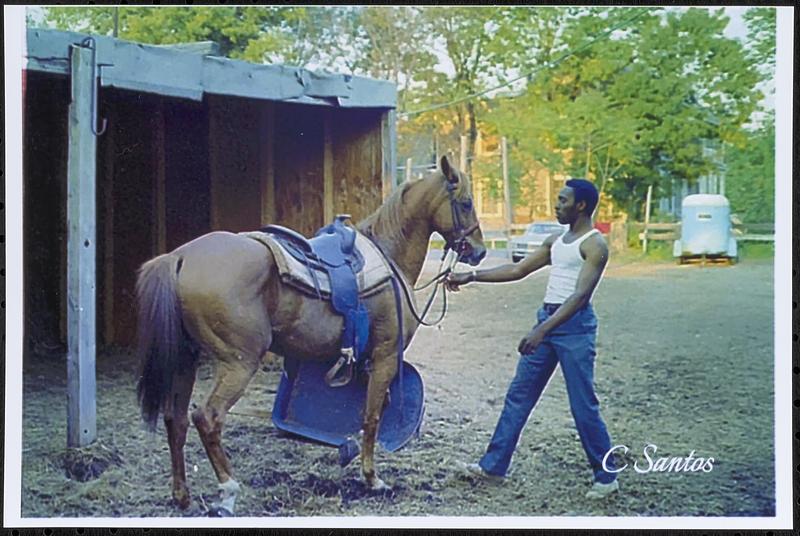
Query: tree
x: 761, y: 26
x: 750, y: 161
x: 750, y: 175
x: 634, y: 109
x: 466, y: 34
x: 258, y: 34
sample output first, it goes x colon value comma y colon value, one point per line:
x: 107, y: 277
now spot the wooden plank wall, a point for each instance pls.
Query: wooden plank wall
x: 132, y: 210
x: 234, y: 152
x: 299, y: 149
x: 217, y: 160
x: 187, y: 189
x: 44, y: 205
x: 357, y: 161
x: 153, y: 194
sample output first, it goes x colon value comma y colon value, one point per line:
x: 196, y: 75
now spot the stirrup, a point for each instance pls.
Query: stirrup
x: 347, y: 359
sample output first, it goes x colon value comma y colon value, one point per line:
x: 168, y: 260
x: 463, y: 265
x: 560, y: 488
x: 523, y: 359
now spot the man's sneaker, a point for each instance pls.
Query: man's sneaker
x: 601, y: 491
x: 473, y: 469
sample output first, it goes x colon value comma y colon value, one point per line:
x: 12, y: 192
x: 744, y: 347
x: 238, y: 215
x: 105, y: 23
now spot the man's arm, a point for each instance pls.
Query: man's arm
x: 506, y: 272
x: 595, y: 253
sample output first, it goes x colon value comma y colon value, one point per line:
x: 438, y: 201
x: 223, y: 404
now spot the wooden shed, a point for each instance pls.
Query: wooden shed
x: 192, y: 143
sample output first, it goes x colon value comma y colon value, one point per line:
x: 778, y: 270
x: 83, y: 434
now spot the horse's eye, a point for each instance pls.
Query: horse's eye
x: 467, y: 204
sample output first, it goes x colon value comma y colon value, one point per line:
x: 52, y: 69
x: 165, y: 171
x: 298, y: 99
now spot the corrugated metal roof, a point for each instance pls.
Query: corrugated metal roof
x: 177, y: 73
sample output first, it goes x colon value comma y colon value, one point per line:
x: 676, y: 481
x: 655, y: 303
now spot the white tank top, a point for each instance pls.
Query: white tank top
x: 566, y: 264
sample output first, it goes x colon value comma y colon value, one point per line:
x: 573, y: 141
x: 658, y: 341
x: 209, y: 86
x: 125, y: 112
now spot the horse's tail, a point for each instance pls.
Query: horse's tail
x: 160, y: 338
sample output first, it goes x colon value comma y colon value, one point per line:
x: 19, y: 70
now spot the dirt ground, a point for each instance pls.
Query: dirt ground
x: 685, y: 362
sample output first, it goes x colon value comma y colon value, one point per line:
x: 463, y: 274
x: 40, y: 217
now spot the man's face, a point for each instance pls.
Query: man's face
x: 566, y: 209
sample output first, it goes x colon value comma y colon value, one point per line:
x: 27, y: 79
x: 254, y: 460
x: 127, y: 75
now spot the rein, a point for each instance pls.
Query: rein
x: 438, y: 280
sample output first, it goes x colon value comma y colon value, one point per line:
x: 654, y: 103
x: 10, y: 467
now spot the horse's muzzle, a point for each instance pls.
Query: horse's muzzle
x: 473, y: 255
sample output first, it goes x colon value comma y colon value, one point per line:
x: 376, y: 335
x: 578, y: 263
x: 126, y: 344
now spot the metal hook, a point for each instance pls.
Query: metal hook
x: 90, y: 43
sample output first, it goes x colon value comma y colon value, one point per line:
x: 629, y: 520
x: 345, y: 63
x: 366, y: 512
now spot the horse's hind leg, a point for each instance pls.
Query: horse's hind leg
x: 232, y: 377
x: 176, y: 421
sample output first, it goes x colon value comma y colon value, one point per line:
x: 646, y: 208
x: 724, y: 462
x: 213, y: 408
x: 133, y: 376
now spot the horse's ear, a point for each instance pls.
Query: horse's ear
x: 448, y: 171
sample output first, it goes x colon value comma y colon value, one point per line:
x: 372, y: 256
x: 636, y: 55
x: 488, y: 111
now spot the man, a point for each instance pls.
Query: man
x: 565, y: 334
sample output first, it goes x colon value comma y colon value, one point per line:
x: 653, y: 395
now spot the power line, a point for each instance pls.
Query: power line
x: 529, y: 73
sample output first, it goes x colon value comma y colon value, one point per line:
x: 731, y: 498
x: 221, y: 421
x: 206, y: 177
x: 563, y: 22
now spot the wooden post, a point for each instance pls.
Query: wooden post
x: 81, y: 232
x: 392, y: 122
x: 267, y: 163
x: 389, y: 176
x: 548, y: 187
x: 159, y: 150
x: 506, y: 187
x: 647, y: 216
x: 214, y: 158
x: 409, y: 161
x: 327, y: 168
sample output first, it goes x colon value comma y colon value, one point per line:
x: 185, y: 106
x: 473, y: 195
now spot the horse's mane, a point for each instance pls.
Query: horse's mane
x: 387, y: 220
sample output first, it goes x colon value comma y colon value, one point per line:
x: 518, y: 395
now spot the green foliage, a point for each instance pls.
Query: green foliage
x: 761, y: 25
x: 756, y: 250
x: 750, y: 175
x: 658, y: 250
x: 635, y: 109
x: 248, y: 33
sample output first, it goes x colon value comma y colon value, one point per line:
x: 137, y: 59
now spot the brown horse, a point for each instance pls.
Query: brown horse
x: 221, y: 295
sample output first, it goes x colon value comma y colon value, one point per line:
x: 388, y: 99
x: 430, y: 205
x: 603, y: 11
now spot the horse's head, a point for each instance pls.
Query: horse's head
x: 454, y: 217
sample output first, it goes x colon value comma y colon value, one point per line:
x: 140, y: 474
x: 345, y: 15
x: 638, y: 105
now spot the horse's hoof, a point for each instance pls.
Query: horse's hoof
x: 219, y: 511
x: 377, y: 485
x: 182, y: 501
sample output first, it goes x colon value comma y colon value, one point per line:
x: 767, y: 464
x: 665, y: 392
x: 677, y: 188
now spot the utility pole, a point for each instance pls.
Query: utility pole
x: 506, y: 186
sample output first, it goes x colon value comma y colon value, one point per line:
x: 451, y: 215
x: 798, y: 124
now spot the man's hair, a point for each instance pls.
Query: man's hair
x: 585, y: 191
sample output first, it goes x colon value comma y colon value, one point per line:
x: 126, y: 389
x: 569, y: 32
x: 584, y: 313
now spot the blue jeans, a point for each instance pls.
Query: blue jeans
x: 572, y: 345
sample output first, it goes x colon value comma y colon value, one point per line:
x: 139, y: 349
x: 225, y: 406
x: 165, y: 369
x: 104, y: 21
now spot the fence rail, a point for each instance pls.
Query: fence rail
x: 744, y: 232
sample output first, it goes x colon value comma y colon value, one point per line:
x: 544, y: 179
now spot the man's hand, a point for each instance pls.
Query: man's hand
x: 454, y: 280
x: 530, y: 341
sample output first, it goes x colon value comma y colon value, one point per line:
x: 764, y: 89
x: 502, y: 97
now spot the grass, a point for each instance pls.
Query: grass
x: 756, y: 250
x: 661, y: 251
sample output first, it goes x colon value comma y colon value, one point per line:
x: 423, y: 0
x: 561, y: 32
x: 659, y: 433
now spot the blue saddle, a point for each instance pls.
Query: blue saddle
x: 333, y: 251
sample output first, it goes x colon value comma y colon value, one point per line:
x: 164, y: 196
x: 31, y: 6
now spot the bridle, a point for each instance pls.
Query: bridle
x: 459, y: 244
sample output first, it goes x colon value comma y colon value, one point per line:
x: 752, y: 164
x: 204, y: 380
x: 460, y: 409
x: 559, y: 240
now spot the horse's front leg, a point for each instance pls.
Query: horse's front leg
x: 384, y: 369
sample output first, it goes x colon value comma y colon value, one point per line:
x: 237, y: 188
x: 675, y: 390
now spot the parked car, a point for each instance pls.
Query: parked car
x: 534, y: 236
